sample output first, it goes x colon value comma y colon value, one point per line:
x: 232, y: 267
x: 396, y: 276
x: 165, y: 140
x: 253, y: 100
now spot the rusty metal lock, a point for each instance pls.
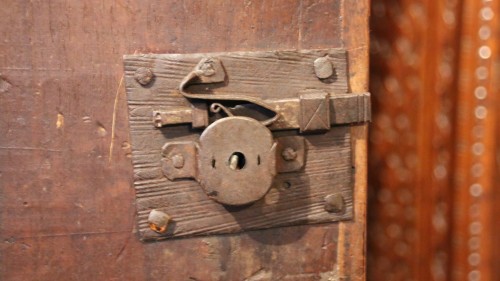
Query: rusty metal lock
x: 265, y: 131
x: 237, y: 160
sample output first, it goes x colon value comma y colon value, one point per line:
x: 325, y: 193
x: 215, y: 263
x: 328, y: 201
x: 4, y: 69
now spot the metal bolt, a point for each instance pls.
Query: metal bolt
x: 143, y: 75
x: 207, y: 67
x: 334, y: 203
x: 323, y: 67
x: 289, y: 154
x: 178, y: 161
x: 158, y: 221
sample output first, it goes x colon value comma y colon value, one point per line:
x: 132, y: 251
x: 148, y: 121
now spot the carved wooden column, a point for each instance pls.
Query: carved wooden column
x: 476, y: 175
x: 432, y: 168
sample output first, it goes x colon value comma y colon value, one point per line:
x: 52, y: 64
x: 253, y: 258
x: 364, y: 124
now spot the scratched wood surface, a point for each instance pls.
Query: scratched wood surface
x: 294, y: 198
x: 66, y: 197
x: 264, y: 75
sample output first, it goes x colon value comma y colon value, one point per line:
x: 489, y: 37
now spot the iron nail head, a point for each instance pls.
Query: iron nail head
x: 178, y: 161
x: 143, y: 75
x: 323, y: 67
x: 334, y: 203
x: 289, y: 154
x: 158, y: 221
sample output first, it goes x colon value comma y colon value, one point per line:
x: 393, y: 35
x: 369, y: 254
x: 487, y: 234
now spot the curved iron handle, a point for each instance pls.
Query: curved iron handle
x: 206, y: 71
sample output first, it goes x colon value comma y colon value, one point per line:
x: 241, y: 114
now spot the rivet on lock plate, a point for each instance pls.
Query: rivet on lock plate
x: 227, y: 142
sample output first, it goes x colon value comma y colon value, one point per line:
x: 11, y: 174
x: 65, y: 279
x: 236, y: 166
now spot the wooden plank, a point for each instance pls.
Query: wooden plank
x: 294, y: 198
x: 352, y: 234
x: 264, y: 75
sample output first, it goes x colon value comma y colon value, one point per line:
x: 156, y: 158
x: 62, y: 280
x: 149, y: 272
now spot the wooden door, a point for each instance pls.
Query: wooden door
x: 66, y: 198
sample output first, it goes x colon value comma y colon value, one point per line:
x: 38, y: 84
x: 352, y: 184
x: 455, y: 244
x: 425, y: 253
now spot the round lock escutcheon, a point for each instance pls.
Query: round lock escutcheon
x: 237, y: 160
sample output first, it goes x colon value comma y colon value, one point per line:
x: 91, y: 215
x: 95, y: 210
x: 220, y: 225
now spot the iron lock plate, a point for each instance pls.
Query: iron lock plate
x: 228, y: 142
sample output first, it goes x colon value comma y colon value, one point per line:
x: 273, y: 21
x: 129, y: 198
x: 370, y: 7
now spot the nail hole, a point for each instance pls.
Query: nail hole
x: 258, y: 159
x: 237, y: 161
x: 213, y: 163
x: 25, y: 203
x: 287, y: 185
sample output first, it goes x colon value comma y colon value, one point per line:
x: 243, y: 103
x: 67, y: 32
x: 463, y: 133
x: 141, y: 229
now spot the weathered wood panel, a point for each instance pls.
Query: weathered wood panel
x: 66, y: 196
x: 267, y: 76
x: 294, y: 198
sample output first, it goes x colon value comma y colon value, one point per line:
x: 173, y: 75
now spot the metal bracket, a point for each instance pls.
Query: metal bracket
x: 180, y: 159
x: 342, y: 109
x: 313, y: 105
x: 231, y: 169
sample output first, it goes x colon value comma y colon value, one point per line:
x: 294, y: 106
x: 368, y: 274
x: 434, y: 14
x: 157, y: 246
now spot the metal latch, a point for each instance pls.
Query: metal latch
x: 313, y: 110
x: 265, y: 132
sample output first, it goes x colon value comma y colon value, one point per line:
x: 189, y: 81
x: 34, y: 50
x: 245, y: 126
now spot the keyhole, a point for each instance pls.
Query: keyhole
x: 237, y: 161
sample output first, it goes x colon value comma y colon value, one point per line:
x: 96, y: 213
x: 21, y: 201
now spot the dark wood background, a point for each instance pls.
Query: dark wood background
x: 66, y: 197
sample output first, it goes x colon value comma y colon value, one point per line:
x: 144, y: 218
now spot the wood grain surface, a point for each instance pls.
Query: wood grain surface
x: 265, y: 75
x: 66, y: 197
x: 294, y: 198
x: 268, y: 75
